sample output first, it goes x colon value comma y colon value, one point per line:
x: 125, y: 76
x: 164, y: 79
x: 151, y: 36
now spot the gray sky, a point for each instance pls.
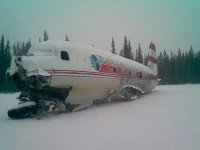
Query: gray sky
x: 170, y: 24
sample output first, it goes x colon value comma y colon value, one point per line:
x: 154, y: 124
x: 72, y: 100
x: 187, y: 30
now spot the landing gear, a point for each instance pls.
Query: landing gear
x: 129, y: 93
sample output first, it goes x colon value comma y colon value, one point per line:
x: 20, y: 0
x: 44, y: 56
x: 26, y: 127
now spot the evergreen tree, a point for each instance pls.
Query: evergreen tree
x: 113, y: 46
x: 14, y: 49
x: 179, y: 74
x: 66, y: 38
x: 130, y: 54
x: 197, y: 66
x: 45, y: 36
x: 27, y: 47
x: 126, y: 49
x: 173, y: 79
x: 166, y: 69
x: 17, y: 52
x: 5, y: 59
x: 23, y: 50
x: 139, y: 57
x: 184, y: 68
x: 146, y: 59
x: 2, y: 63
x: 191, y: 64
x: 160, y: 67
x: 8, y: 53
x: 121, y: 53
x: 2, y: 45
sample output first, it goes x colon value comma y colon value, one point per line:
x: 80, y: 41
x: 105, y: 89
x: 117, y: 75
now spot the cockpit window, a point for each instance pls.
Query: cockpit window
x: 64, y: 55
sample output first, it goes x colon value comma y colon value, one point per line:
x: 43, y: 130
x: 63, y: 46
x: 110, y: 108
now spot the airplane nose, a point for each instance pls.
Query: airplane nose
x: 27, y: 63
x: 32, y: 67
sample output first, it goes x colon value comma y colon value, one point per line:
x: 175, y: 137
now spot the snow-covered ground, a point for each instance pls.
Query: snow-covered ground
x: 166, y: 119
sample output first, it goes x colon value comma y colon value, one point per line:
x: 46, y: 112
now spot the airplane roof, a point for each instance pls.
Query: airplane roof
x: 65, y: 45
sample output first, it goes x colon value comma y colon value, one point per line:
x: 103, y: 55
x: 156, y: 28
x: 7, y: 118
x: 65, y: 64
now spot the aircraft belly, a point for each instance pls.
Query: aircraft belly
x: 85, y: 89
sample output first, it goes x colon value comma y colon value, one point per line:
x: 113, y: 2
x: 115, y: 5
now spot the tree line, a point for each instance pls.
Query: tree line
x: 6, y: 53
x: 180, y: 68
x: 5, y: 59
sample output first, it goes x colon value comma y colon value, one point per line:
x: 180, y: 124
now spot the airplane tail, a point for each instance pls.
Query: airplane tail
x: 152, y: 63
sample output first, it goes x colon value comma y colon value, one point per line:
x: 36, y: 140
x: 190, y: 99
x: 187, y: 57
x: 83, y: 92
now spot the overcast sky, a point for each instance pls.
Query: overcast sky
x: 170, y: 24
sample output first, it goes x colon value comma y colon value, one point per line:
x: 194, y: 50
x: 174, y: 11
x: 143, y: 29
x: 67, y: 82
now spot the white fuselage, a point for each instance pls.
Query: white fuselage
x: 93, y: 74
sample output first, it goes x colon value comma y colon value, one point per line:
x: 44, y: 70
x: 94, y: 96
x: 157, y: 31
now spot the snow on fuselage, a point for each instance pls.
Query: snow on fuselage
x: 93, y: 74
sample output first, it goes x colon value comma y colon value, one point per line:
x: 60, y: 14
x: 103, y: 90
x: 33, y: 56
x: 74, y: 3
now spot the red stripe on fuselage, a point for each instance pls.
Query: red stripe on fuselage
x: 100, y: 74
x: 153, y: 60
x: 105, y: 71
x: 111, y: 69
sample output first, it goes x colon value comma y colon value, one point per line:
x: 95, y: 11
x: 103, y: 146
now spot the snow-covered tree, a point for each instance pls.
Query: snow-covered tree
x: 113, y: 46
x: 45, y: 36
x: 66, y: 38
x: 139, y: 57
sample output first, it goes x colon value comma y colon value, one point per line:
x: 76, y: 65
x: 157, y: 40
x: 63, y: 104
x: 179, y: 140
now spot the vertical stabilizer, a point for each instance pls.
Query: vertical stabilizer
x: 152, y: 63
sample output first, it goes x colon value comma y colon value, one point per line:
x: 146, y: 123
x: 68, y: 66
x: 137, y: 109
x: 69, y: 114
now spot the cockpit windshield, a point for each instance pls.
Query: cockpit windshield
x: 41, y: 52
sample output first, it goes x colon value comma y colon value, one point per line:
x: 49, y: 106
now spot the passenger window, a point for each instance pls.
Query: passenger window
x: 129, y: 73
x: 140, y: 75
x: 64, y: 55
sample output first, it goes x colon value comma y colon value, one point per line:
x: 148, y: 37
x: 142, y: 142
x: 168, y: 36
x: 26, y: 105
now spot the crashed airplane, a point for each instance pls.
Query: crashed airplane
x: 58, y: 76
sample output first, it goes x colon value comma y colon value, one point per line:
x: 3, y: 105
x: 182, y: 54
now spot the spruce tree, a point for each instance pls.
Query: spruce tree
x: 1, y: 61
x: 146, y: 59
x: 197, y: 66
x: 5, y: 58
x: 129, y: 53
x: 160, y: 67
x: 66, y: 38
x: 113, y: 46
x: 191, y: 64
x: 17, y: 50
x: 173, y: 70
x: 139, y: 57
x: 45, y: 36
x: 179, y: 67
x: 2, y: 45
x: 187, y: 68
x: 121, y: 53
x: 27, y: 47
x: 165, y: 67
x: 125, y: 48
